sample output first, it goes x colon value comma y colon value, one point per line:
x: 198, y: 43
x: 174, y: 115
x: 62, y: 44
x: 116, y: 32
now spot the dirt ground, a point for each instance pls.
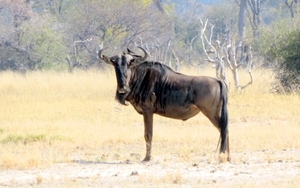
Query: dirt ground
x: 255, y: 169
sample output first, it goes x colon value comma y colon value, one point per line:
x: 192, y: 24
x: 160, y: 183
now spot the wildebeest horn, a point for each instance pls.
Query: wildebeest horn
x: 145, y: 53
x: 103, y: 57
x: 100, y: 54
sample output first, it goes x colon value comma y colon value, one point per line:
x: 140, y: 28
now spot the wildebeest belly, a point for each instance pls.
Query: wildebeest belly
x: 178, y: 112
x: 182, y: 112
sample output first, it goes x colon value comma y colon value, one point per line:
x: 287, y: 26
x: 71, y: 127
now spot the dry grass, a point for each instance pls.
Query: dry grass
x: 48, y: 117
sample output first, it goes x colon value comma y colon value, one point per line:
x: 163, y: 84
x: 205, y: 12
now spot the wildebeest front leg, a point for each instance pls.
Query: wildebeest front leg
x: 148, y: 125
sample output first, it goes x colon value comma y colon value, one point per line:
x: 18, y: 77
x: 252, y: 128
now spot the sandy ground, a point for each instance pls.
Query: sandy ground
x: 255, y: 169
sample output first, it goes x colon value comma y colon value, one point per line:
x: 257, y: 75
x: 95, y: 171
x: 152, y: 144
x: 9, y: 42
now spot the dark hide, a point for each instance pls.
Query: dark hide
x: 154, y: 88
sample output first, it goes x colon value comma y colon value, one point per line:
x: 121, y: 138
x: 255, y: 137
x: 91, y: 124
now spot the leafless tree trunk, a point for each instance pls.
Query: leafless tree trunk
x: 177, y: 65
x: 234, y: 62
x: 167, y: 51
x: 290, y: 5
x: 191, y: 49
x: 242, y: 19
x: 255, y: 6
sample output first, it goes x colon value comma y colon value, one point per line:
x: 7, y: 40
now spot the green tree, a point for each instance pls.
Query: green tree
x: 43, y: 41
x: 280, y: 44
x: 118, y: 26
x: 12, y: 15
x: 288, y: 72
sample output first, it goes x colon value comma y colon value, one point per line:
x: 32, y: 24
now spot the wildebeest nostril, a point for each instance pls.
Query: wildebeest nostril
x: 123, y: 89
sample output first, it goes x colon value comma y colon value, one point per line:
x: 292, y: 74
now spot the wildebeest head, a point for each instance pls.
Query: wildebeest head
x: 122, y: 64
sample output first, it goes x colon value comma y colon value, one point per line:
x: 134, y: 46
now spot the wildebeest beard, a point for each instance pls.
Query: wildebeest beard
x: 121, y: 97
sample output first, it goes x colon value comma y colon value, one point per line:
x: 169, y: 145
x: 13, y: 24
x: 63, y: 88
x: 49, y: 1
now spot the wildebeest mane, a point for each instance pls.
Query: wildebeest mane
x: 146, y: 78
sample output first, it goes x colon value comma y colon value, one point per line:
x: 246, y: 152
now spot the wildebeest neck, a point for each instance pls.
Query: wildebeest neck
x: 143, y: 81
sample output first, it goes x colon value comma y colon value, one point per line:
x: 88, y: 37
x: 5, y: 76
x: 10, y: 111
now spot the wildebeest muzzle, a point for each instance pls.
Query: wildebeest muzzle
x: 123, y: 89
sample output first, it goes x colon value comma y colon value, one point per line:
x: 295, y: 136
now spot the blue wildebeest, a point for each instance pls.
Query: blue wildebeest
x: 153, y: 88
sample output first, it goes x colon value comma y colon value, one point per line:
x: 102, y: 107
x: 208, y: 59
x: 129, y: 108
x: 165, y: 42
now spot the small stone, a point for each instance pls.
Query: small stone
x: 134, y: 173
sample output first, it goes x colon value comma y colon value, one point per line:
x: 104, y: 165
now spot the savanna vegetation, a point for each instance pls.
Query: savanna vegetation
x: 57, y: 97
x: 58, y: 117
x: 239, y: 34
x: 49, y: 118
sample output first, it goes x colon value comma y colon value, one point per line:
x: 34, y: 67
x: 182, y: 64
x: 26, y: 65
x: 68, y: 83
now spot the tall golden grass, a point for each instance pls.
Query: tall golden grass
x: 50, y: 117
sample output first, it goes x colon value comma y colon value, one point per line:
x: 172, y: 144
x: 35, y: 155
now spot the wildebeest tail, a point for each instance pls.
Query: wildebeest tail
x: 224, y: 117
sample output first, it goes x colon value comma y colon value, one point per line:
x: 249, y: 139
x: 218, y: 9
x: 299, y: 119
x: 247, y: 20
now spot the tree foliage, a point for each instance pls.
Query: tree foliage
x: 46, y: 33
x: 44, y: 43
x: 288, y: 72
x: 281, y: 44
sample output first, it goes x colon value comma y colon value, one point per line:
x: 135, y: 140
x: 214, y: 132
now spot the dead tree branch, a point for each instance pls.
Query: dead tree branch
x: 216, y: 50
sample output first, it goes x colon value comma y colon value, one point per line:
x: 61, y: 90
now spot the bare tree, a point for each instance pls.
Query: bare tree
x: 252, y: 9
x: 176, y: 59
x: 255, y: 7
x: 215, y: 49
x: 158, y: 4
x: 76, y: 63
x: 161, y: 52
x: 191, y: 49
x: 290, y: 5
x: 242, y: 19
x: 225, y: 52
x: 12, y: 15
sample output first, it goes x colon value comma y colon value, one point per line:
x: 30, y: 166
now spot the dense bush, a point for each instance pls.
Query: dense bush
x: 281, y: 47
x: 288, y: 73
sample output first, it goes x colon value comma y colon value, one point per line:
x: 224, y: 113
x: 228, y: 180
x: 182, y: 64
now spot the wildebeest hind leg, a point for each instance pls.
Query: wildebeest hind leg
x: 214, y: 119
x: 228, y: 150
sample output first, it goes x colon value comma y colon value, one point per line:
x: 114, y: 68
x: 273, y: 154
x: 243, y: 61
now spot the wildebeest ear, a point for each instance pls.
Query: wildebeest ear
x: 135, y: 60
x: 129, y: 51
x: 106, y: 59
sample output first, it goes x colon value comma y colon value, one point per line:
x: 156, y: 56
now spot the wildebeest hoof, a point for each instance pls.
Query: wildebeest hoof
x: 146, y: 159
x: 228, y: 159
